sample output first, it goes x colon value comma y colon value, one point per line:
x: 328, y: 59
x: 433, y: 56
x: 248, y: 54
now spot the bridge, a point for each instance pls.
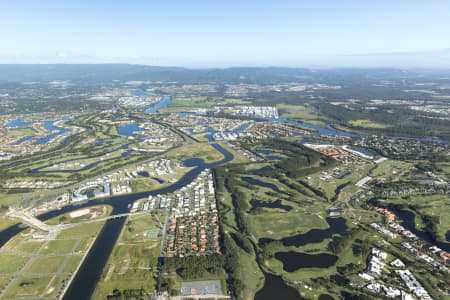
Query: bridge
x: 28, y: 219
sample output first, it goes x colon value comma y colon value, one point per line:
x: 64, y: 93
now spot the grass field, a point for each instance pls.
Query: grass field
x: 201, y: 137
x: 301, y: 113
x: 8, y: 199
x: 59, y: 247
x: 35, y: 287
x: 5, y: 223
x: 187, y: 104
x: 367, y: 124
x: 81, y: 231
x: 3, y: 282
x: 43, y: 265
x: 44, y: 275
x: 30, y: 246
x: 203, y: 151
x: 392, y: 169
x: 20, y: 131
x: 11, y: 264
x: 143, y: 184
x: 98, y: 210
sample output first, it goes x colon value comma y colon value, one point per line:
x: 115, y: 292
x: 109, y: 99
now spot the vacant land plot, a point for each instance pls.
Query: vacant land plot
x: 301, y: 113
x: 35, y: 287
x: 59, y: 247
x: 81, y: 231
x: 43, y: 265
x: 203, y: 151
x: 132, y: 263
x: 11, y: 264
x: 30, y: 246
x: 213, y: 287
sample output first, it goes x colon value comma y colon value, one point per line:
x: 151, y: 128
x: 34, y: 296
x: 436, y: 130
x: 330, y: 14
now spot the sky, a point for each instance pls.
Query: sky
x: 214, y: 33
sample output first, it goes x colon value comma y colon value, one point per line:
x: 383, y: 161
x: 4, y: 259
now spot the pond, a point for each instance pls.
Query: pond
x: 260, y: 170
x: 336, y: 226
x: 128, y: 130
x: 325, y: 297
x: 143, y: 174
x: 276, y: 204
x: 292, y: 261
x: 254, y: 181
x: 275, y: 288
x: 264, y: 151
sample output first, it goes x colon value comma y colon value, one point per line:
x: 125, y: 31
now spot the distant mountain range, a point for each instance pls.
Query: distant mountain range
x: 126, y: 72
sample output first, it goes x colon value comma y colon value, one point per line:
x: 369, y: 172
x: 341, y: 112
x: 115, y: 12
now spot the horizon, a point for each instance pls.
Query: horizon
x: 201, y: 34
x: 199, y: 68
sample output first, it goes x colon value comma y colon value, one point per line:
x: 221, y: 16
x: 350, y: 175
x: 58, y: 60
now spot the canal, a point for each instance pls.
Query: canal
x: 87, y: 277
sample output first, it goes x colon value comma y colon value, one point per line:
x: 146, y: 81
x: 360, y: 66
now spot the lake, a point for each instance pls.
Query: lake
x: 292, y: 261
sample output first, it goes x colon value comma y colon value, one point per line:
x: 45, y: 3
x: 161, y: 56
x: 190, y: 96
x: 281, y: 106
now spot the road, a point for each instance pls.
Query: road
x: 160, y: 258
x: 31, y: 221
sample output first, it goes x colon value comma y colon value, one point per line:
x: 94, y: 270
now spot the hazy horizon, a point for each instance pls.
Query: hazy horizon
x: 205, y: 34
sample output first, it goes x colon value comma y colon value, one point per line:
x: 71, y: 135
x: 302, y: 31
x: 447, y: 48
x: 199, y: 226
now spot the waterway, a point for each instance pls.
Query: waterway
x: 139, y: 93
x: 408, y: 221
x: 22, y: 140
x: 86, y: 279
x: 338, y: 190
x: 19, y: 122
x: 165, y: 101
x: 50, y: 125
x: 54, y: 129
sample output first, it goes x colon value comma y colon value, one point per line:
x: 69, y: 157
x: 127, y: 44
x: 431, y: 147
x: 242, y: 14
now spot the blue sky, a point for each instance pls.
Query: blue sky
x: 222, y: 33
